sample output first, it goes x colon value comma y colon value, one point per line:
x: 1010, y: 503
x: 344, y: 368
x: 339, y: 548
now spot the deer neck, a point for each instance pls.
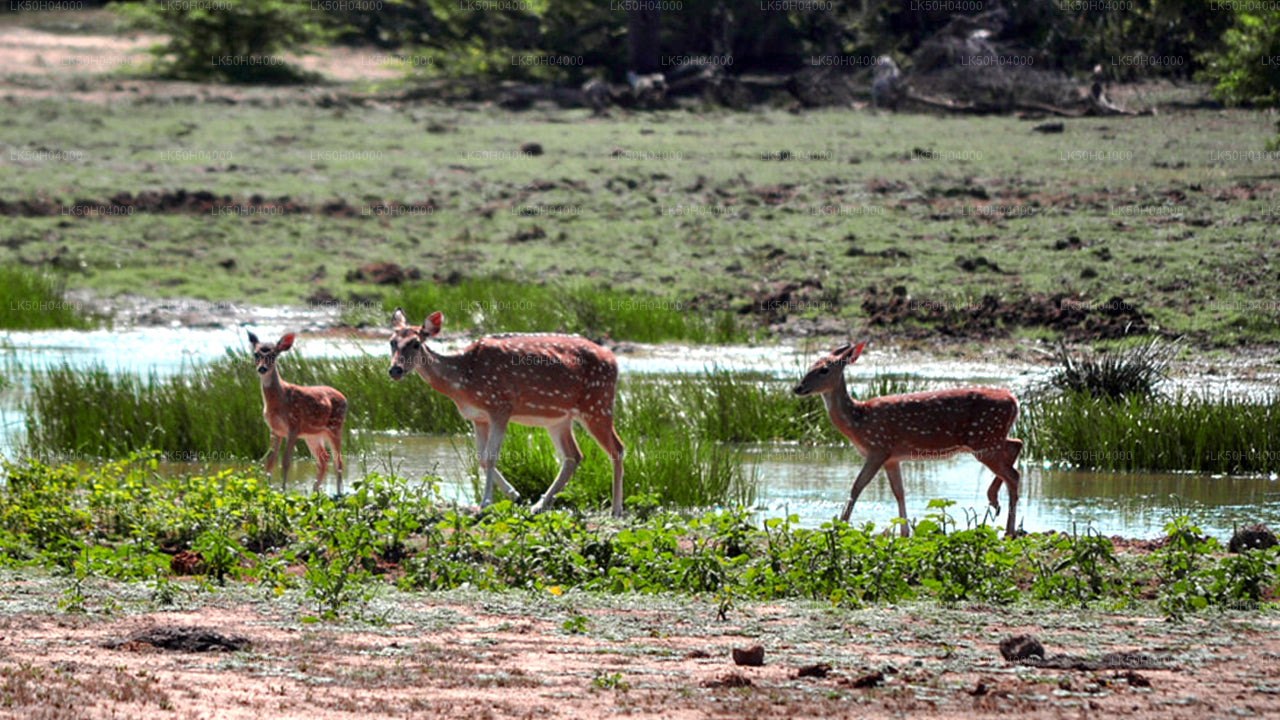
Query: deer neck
x: 844, y: 411
x: 272, y: 386
x: 444, y: 373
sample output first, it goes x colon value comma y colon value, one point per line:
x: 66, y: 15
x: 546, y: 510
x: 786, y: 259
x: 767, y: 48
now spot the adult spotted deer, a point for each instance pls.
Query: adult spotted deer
x: 315, y: 414
x: 919, y: 426
x: 542, y: 380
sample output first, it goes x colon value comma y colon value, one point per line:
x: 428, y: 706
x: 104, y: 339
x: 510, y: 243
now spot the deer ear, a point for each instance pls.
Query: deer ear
x: 398, y: 321
x: 253, y: 338
x: 285, y: 343
x: 854, y: 352
x: 431, y: 327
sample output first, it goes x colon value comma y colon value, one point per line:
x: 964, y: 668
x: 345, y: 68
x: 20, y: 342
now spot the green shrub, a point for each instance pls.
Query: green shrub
x: 231, y: 40
x: 1245, y: 70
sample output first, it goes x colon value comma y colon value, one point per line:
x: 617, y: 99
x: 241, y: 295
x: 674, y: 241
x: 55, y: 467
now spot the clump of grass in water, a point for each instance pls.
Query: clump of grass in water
x: 33, y: 301
x: 1185, y: 432
x: 1136, y: 370
x: 495, y: 304
x: 674, y: 469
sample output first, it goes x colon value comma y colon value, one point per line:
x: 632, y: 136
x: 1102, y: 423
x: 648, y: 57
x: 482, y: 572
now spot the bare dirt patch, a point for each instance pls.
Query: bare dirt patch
x: 498, y: 656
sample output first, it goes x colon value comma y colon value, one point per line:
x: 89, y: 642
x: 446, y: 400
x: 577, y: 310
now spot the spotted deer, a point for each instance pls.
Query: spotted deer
x: 919, y: 426
x: 541, y: 380
x: 315, y: 413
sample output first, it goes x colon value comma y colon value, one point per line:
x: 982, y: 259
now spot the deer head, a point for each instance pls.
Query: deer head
x: 827, y: 374
x: 265, y: 354
x: 408, y: 349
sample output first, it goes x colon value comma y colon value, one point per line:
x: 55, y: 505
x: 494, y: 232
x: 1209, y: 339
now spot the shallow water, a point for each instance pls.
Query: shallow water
x: 811, y: 484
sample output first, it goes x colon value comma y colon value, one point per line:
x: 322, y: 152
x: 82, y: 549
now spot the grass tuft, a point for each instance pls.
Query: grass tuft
x: 32, y: 301
x: 1133, y: 371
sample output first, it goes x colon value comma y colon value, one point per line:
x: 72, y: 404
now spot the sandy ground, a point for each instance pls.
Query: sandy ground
x: 532, y: 655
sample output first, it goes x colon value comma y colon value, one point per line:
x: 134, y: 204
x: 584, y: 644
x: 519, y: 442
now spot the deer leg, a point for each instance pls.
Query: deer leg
x: 315, y: 444
x: 271, y: 454
x: 482, y: 442
x: 335, y: 442
x: 286, y: 458
x: 489, y: 458
x: 570, y: 456
x: 1012, y: 448
x: 602, y: 430
x: 1002, y: 464
x: 895, y: 483
x: 864, y: 478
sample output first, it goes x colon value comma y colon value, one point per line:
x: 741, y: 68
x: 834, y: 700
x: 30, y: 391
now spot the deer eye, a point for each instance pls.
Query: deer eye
x: 824, y: 371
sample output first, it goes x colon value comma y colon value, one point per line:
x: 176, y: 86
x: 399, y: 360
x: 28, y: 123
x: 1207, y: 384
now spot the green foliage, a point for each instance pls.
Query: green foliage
x: 496, y: 304
x: 33, y: 301
x: 1073, y: 568
x: 1191, y: 432
x: 123, y: 514
x: 230, y: 40
x: 1246, y: 71
x: 1180, y: 568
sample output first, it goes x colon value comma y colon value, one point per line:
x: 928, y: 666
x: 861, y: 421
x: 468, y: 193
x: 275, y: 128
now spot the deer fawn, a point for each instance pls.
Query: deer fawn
x: 314, y: 414
x: 919, y: 426
x: 542, y: 380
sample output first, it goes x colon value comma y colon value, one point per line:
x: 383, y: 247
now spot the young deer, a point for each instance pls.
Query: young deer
x: 314, y: 414
x: 919, y: 426
x: 542, y: 380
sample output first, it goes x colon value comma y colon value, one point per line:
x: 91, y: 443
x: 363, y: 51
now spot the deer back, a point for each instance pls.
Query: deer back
x: 538, y: 375
x: 938, y: 421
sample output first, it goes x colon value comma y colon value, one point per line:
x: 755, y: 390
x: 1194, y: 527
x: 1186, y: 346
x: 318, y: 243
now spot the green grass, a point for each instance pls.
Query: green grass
x: 500, y: 305
x: 31, y: 300
x: 118, y: 520
x: 1185, y: 432
x: 673, y: 470
x: 693, y: 208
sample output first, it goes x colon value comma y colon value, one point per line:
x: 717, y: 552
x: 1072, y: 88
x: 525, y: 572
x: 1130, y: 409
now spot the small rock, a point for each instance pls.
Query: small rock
x: 698, y: 654
x: 1049, y: 127
x: 750, y: 657
x: 1136, y: 680
x: 818, y: 670
x: 875, y: 679
x: 1021, y: 648
x: 732, y: 680
x: 1253, y: 537
x: 186, y: 562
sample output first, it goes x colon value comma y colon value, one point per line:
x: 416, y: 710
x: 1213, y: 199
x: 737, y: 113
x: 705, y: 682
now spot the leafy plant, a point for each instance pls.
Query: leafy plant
x: 232, y: 40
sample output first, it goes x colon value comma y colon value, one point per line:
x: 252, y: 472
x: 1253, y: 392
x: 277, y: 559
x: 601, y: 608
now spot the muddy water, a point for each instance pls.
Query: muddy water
x: 811, y: 484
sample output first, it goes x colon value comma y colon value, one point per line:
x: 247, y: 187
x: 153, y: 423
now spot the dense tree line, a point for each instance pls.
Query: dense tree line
x: 1232, y: 43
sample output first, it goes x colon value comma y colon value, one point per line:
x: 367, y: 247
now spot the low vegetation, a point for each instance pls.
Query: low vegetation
x: 496, y: 304
x: 1189, y: 431
x: 31, y: 300
x: 125, y: 521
